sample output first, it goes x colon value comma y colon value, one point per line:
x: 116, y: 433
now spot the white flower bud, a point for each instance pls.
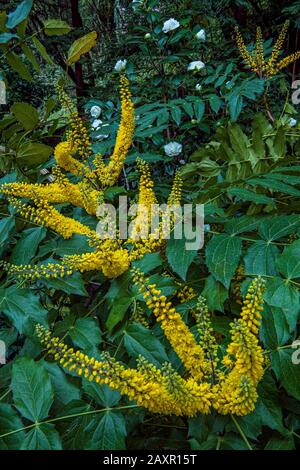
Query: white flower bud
x: 201, y: 36
x: 120, y: 65
x: 170, y: 25
x: 196, y: 65
x: 173, y: 149
x: 95, y: 111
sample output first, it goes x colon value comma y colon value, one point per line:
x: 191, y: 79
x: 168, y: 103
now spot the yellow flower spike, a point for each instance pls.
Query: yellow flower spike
x: 164, y: 391
x: 108, y: 174
x: 177, y: 333
x: 150, y: 390
x: 256, y: 61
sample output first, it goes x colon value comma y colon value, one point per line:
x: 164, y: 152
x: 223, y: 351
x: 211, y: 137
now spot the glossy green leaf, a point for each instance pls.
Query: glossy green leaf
x: 32, y: 389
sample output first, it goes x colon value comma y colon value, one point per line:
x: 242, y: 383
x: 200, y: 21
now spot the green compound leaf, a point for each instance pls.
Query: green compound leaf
x: 42, y: 437
x: 260, y: 259
x: 28, y: 244
x: 86, y: 334
x: 22, y: 307
x: 138, y: 340
x: 286, y: 372
x: 179, y: 257
x: 32, y: 389
x: 222, y: 257
x: 108, y: 431
x: 9, y: 422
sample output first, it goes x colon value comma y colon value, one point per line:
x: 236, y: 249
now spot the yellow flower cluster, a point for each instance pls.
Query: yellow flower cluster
x: 42, y: 213
x: 256, y: 60
x: 176, y: 331
x: 141, y: 236
x: 150, y: 387
x: 236, y: 393
x: 86, y: 191
x: 78, y: 136
x: 108, y: 174
x: 185, y: 293
x: 164, y: 391
x: 207, y: 339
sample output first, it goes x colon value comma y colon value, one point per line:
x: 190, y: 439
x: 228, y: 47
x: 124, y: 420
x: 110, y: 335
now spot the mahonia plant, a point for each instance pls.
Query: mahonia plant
x: 256, y: 60
x: 74, y: 158
x: 226, y: 384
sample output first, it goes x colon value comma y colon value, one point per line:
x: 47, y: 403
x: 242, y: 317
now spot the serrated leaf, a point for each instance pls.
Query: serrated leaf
x: 246, y: 195
x: 31, y: 57
x: 176, y: 115
x: 108, y: 431
x: 81, y: 46
x: 65, y: 390
x: 288, y: 263
x: 260, y: 259
x: 275, y: 329
x: 280, y: 443
x: 10, y: 421
x: 7, y: 226
x: 138, y: 340
x: 269, y: 406
x: 32, y: 389
x: 102, y: 394
x: 215, y: 293
x: 27, y: 246
x: 235, y: 105
x: 86, y: 334
x: 179, y: 257
x: 222, y: 257
x: 119, y: 298
x: 149, y: 262
x: 20, y: 306
x: 286, y: 372
x: 281, y: 294
x: 274, y: 185
x: 42, y: 437
x: 275, y: 228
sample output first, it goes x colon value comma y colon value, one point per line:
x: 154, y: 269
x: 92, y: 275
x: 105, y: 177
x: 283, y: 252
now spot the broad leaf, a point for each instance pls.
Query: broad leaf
x: 32, y: 389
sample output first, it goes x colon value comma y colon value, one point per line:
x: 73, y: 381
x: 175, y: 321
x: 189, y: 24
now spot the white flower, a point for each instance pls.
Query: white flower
x: 95, y: 111
x: 120, y: 65
x: 201, y: 35
x: 196, y: 65
x: 198, y: 87
x: 292, y: 122
x: 170, y: 25
x: 96, y: 124
x: 173, y: 149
